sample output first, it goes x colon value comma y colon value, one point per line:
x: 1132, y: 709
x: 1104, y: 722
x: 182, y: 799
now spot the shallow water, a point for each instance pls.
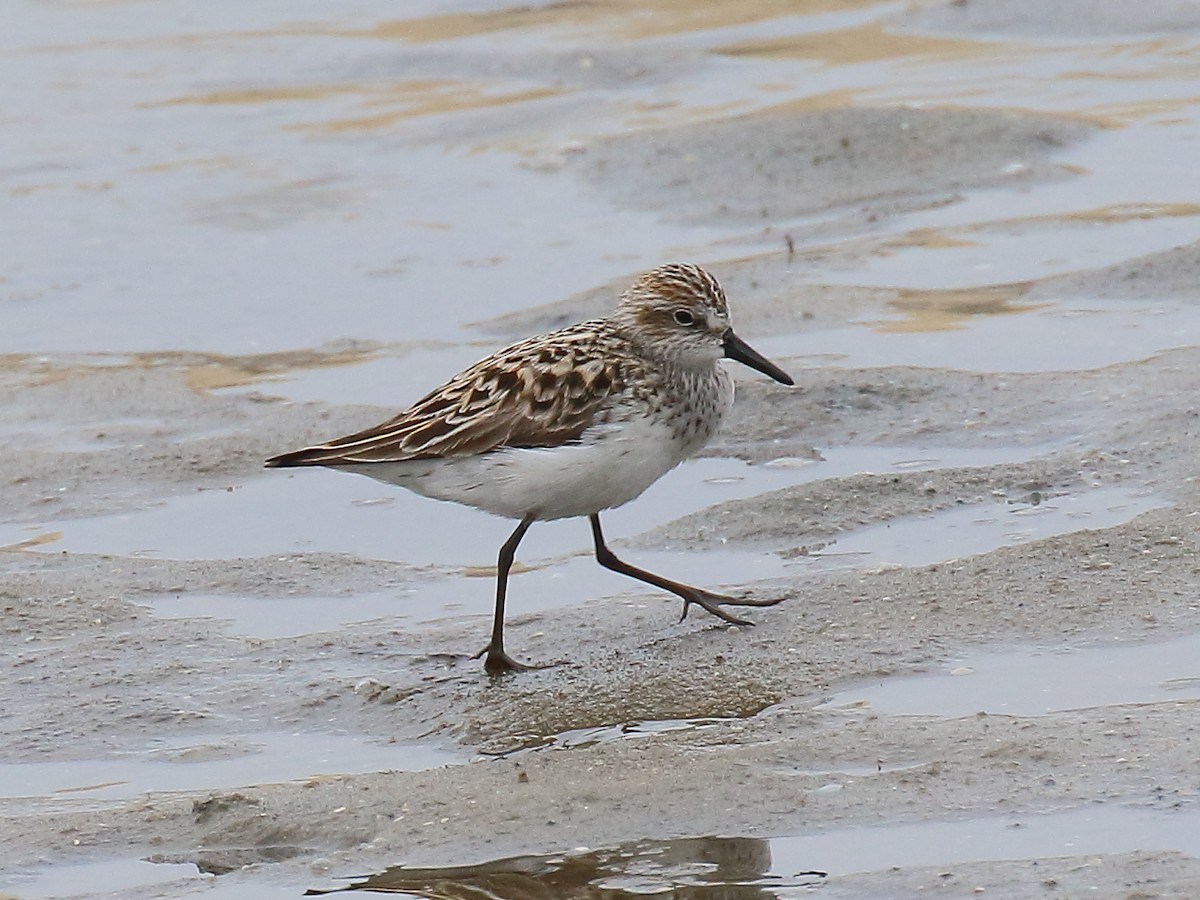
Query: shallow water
x: 557, y: 569
x: 114, y: 876
x: 780, y: 868
x: 1091, y: 830
x: 358, y: 516
x: 274, y: 513
x: 245, y: 165
x: 208, y: 762
x: 1038, y: 680
x: 783, y: 868
x: 578, y: 738
x: 969, y: 530
x: 557, y: 582
x: 1045, y: 340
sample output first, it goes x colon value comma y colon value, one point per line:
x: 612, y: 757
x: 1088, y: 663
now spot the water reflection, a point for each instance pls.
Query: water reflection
x: 713, y: 868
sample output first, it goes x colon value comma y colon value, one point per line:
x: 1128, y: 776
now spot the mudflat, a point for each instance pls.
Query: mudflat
x: 967, y: 239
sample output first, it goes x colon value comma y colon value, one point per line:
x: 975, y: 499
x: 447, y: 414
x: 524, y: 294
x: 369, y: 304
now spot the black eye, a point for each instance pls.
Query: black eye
x: 684, y: 317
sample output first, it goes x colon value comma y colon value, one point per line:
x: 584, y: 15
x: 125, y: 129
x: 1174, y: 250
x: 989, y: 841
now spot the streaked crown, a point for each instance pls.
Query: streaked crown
x: 678, y: 282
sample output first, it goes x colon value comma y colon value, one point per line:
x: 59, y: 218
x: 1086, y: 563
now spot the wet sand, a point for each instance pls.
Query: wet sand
x: 977, y: 501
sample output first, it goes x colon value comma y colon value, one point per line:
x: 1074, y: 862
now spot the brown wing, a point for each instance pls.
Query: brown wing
x: 542, y: 392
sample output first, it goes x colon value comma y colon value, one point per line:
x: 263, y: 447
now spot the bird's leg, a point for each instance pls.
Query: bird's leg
x: 706, y: 600
x: 496, y: 661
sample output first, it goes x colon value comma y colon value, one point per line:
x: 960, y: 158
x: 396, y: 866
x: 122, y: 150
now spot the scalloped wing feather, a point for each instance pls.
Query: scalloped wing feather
x: 542, y: 392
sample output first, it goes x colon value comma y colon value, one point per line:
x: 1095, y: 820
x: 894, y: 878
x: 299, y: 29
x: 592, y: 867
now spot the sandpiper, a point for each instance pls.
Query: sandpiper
x: 569, y: 423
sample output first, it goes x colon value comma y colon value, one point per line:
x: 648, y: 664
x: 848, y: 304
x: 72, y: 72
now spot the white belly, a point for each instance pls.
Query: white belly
x: 605, y: 470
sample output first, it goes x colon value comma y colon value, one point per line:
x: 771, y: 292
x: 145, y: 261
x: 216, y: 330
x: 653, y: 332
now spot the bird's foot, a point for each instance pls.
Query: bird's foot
x: 497, y: 662
x: 712, y: 603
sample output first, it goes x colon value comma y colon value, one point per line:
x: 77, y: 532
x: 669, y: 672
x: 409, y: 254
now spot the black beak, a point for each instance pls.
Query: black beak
x: 736, y: 348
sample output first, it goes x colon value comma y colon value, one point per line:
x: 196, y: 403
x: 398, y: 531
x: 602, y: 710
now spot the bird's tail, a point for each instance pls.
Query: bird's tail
x: 308, y: 456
